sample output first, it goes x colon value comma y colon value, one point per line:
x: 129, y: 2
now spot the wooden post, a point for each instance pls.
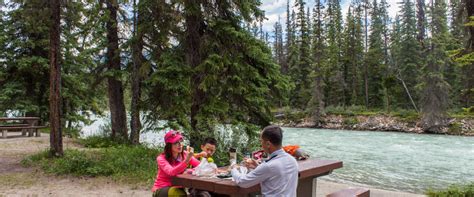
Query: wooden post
x: 4, y: 133
x: 306, y: 187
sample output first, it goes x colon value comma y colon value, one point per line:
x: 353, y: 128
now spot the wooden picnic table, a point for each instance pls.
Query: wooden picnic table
x: 30, y: 125
x: 309, y: 170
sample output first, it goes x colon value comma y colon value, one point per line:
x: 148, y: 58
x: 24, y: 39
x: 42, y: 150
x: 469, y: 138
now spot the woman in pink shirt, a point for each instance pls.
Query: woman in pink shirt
x: 171, y: 162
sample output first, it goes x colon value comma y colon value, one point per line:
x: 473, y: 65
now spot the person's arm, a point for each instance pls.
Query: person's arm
x: 261, y: 173
x: 166, y: 167
x: 194, y: 162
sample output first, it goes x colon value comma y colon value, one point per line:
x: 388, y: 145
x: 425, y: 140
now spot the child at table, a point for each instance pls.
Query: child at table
x: 208, y: 148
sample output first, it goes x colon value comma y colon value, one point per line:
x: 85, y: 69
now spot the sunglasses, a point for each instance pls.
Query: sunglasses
x: 179, y: 142
x: 174, y: 133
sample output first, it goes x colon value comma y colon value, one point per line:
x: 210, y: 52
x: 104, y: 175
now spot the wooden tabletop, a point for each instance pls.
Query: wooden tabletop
x: 18, y: 118
x: 307, y: 168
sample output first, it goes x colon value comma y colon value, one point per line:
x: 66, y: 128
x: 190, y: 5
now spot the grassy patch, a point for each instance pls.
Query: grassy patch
x: 353, y: 110
x: 453, y: 191
x: 406, y: 115
x: 17, y: 180
x: 130, y: 164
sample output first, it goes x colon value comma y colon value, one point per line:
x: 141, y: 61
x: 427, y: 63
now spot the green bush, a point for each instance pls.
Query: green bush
x: 101, y: 141
x: 455, y: 128
x: 134, y: 164
x: 352, y: 110
x: 406, y: 115
x: 350, y: 121
x: 453, y: 191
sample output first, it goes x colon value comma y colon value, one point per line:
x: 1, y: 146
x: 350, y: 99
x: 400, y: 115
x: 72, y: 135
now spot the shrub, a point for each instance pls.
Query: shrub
x: 453, y: 191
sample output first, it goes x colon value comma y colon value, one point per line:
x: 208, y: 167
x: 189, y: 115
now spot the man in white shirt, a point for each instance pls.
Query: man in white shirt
x: 277, y: 175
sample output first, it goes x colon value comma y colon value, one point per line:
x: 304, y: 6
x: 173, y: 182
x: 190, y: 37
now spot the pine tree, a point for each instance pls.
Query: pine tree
x: 293, y: 51
x: 435, y: 99
x: 278, y: 44
x: 229, y: 83
x: 353, y: 53
x: 56, y: 137
x: 138, y: 61
x: 375, y: 58
x: 334, y: 83
x: 27, y: 62
x: 299, y: 72
x: 409, y: 57
x: 421, y: 22
x: 115, y: 87
x: 289, y: 38
x: 316, y: 103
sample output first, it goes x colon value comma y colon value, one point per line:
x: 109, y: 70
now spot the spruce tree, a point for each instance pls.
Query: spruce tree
x: 299, y: 72
x: 114, y: 84
x: 316, y: 103
x: 409, y: 58
x: 230, y: 83
x: 334, y: 83
x: 353, y: 53
x: 375, y: 58
x: 435, y: 97
x: 278, y: 50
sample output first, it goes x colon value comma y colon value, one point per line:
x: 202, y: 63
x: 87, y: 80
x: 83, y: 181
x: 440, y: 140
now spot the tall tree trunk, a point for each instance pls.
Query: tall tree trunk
x: 193, y: 39
x: 115, y: 88
x: 55, y: 140
x: 138, y: 60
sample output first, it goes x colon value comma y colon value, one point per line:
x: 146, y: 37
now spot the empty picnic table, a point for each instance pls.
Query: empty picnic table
x: 30, y: 125
x: 309, y: 170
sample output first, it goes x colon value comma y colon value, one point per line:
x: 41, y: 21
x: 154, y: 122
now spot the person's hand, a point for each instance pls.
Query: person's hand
x: 190, y: 154
x: 203, y: 154
x: 250, y: 163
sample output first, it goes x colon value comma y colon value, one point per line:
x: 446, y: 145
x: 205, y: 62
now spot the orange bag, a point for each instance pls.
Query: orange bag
x: 290, y: 149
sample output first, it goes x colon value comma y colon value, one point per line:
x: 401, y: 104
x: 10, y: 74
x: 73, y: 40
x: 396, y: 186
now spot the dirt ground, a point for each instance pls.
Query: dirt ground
x: 16, y: 180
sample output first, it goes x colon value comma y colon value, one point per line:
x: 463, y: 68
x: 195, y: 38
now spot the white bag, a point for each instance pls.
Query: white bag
x: 205, y: 169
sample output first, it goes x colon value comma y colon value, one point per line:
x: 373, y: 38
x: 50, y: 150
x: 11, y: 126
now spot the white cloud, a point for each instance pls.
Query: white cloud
x: 271, y: 6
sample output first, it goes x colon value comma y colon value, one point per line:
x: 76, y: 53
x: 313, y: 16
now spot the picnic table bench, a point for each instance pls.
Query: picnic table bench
x: 308, y: 169
x: 24, y: 124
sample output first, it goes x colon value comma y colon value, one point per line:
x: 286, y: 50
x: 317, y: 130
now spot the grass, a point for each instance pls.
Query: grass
x: 124, y: 163
x: 453, y: 191
x: 17, y: 179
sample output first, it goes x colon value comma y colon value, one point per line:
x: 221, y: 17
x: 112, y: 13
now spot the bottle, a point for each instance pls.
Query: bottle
x: 232, y: 156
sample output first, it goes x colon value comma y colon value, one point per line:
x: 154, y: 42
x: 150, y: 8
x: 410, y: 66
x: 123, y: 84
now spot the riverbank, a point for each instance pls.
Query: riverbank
x: 17, y: 180
x: 378, y: 122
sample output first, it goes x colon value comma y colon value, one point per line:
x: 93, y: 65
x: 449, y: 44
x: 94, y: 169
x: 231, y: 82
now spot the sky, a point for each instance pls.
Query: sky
x: 277, y: 8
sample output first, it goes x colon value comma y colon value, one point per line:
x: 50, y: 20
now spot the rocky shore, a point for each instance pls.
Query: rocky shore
x: 456, y: 126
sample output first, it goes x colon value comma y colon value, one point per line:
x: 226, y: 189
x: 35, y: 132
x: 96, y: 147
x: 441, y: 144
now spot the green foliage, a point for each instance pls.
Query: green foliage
x: 132, y: 164
x: 406, y: 115
x: 350, y: 121
x: 101, y: 141
x: 455, y: 128
x: 352, y: 110
x: 24, y: 72
x: 453, y: 191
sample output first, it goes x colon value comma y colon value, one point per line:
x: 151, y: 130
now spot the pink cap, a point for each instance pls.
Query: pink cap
x: 173, y: 136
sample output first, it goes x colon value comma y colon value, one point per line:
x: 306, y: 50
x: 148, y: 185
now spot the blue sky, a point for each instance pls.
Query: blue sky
x: 275, y: 8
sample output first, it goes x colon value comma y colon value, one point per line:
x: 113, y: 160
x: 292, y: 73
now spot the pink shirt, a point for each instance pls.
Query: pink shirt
x: 166, y: 170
